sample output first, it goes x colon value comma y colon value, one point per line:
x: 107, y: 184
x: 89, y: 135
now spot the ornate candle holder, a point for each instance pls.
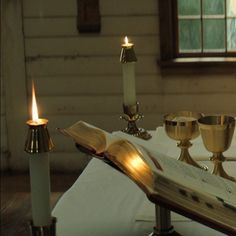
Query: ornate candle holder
x: 38, y: 142
x: 217, y: 133
x: 183, y: 127
x: 38, y: 138
x: 131, y: 115
x: 127, y: 53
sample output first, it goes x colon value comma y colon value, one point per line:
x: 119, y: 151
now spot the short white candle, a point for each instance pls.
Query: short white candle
x: 128, y: 69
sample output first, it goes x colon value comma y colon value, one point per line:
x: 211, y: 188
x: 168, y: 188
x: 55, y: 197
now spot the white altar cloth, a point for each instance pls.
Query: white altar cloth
x: 104, y: 202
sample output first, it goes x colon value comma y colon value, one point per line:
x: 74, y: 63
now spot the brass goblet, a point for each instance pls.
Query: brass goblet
x: 182, y: 126
x: 217, y: 133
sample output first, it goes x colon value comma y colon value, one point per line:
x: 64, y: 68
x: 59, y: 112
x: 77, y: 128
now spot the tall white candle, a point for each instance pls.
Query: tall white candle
x: 128, y: 69
x: 39, y: 174
x: 40, y: 189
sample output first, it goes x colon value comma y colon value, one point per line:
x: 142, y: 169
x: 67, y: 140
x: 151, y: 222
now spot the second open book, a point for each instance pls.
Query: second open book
x: 175, y: 185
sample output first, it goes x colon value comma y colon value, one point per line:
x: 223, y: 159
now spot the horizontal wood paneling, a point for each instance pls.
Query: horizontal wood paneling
x: 108, y: 122
x: 69, y: 66
x: 206, y: 103
x: 111, y: 26
x: 45, y: 8
x: 196, y: 84
x: 88, y: 46
x: 146, y: 84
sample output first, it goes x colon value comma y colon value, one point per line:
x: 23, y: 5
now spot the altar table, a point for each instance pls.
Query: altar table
x: 104, y: 202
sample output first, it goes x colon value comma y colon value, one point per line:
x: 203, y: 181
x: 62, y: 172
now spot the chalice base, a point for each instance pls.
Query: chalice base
x: 218, y: 168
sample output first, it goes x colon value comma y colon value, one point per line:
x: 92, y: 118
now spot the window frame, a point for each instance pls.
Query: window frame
x: 169, y: 56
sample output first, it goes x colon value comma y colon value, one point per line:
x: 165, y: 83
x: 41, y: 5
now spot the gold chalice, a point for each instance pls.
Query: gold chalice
x: 182, y: 126
x: 217, y: 133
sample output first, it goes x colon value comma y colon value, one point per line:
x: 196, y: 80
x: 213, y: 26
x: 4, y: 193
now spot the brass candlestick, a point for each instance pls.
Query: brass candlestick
x: 183, y: 127
x: 131, y: 115
x: 217, y: 133
x: 127, y: 53
x: 38, y: 138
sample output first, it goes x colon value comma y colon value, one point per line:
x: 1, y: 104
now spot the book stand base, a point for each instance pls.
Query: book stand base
x: 47, y: 230
x: 163, y: 223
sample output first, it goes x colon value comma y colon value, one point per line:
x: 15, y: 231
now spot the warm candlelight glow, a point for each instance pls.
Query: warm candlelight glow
x: 35, y: 115
x: 127, y: 44
x: 35, y: 121
x: 136, y: 162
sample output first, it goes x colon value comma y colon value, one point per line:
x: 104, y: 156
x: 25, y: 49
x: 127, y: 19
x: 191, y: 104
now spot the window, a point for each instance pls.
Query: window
x: 199, y: 32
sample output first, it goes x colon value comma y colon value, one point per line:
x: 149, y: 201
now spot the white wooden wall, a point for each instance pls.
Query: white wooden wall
x: 78, y: 76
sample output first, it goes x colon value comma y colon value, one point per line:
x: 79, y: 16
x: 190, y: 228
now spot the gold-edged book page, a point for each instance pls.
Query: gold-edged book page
x: 185, y: 174
x: 87, y: 136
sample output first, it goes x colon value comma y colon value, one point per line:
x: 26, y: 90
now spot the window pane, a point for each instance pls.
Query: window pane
x: 189, y: 35
x: 231, y: 34
x: 213, y: 7
x: 231, y: 8
x: 189, y: 7
x: 213, y: 35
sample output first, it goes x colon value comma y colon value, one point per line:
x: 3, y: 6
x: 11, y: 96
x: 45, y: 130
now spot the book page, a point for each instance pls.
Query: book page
x: 185, y: 174
x: 192, y: 177
x: 87, y: 136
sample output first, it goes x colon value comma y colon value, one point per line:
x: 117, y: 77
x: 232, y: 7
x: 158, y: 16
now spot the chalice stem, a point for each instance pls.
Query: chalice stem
x: 185, y: 156
x: 218, y: 169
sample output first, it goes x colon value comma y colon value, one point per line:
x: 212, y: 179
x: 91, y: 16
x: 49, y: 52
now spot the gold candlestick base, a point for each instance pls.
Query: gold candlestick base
x: 47, y: 230
x: 131, y: 115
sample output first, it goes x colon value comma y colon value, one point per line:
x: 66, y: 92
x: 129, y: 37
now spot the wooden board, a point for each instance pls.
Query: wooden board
x: 46, y: 8
x: 111, y: 26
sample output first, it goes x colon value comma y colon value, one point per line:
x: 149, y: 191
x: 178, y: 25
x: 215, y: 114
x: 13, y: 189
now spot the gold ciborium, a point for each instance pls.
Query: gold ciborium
x: 217, y: 133
x: 182, y: 126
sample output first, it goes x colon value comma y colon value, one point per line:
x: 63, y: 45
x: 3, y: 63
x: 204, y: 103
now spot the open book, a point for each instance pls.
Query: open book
x: 187, y: 190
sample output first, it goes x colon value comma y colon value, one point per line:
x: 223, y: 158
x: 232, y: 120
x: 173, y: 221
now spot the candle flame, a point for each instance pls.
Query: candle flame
x: 35, y: 116
x: 126, y: 40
